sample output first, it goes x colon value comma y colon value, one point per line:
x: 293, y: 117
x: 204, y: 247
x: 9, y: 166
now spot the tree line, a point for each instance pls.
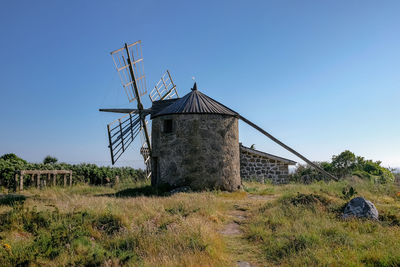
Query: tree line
x: 346, y: 164
x: 342, y: 165
x: 82, y: 173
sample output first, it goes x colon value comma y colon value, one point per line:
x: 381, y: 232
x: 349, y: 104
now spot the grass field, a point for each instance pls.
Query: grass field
x: 134, y: 225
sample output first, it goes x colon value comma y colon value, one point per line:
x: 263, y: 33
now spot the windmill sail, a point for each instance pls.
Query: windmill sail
x: 128, y: 61
x: 119, y: 110
x: 145, y: 152
x: 121, y: 134
x: 124, y: 66
x: 164, y: 89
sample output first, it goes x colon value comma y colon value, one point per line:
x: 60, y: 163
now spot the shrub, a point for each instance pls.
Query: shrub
x: 9, y: 164
x: 50, y: 160
x: 82, y: 173
x: 108, y: 223
x: 89, y: 253
x: 53, y: 233
x: 285, y: 246
x: 307, y: 174
x: 123, y: 248
x: 308, y: 200
x: 348, y: 193
x: 11, y: 200
x: 342, y: 165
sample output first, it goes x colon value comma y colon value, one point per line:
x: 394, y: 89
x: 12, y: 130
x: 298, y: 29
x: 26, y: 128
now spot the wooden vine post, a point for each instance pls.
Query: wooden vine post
x: 19, y: 177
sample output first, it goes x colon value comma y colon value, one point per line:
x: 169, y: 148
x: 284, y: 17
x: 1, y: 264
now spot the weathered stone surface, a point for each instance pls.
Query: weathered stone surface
x: 201, y: 152
x: 360, y: 208
x: 261, y: 169
x: 243, y: 264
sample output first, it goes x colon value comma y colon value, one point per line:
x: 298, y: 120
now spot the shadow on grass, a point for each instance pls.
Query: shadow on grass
x: 12, y: 199
x: 146, y: 191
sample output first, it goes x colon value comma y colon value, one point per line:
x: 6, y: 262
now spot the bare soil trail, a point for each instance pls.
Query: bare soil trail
x: 241, y: 249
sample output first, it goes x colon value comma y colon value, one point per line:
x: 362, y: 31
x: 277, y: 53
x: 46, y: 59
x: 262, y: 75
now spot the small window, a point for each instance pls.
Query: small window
x: 167, y: 126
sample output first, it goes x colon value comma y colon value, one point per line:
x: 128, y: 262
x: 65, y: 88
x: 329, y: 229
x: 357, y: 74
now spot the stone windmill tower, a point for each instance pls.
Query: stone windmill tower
x: 195, y: 143
x: 194, y: 139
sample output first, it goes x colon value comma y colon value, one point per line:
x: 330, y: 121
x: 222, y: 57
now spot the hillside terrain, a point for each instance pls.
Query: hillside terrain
x: 134, y: 225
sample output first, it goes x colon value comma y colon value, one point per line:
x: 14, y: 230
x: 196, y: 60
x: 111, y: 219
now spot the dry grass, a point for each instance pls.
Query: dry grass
x: 86, y: 225
x: 164, y: 231
x: 303, y: 226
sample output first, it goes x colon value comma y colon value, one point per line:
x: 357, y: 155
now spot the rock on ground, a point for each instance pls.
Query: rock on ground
x: 180, y: 190
x: 361, y: 208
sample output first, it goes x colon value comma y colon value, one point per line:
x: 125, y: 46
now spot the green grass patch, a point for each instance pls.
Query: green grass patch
x: 304, y: 227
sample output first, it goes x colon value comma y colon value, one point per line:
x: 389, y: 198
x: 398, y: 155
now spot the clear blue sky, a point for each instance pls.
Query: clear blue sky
x: 323, y: 76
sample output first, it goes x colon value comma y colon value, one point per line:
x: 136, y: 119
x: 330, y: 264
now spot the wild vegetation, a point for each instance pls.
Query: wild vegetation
x: 83, y: 173
x: 86, y: 225
x: 304, y: 225
x: 134, y: 224
x: 346, y: 164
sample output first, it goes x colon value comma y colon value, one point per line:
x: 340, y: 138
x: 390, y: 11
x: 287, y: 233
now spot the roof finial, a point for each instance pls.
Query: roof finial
x: 194, y: 87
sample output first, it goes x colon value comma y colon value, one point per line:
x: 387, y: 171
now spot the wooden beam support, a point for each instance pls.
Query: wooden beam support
x: 21, y: 181
x: 42, y: 183
x: 288, y: 148
x: 16, y: 182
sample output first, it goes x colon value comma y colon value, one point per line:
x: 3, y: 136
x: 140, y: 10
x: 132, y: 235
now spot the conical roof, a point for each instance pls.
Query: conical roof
x: 196, y: 102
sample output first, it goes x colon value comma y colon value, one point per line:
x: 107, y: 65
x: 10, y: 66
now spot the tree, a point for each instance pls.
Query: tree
x: 11, y: 157
x: 344, y: 163
x: 9, y: 164
x: 50, y: 160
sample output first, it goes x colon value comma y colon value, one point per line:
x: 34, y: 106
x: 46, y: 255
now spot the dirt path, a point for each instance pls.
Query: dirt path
x: 243, y: 252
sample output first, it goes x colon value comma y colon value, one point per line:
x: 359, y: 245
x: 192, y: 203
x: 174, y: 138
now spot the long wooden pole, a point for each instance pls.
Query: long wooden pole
x: 139, y: 102
x: 287, y: 147
x: 21, y: 181
x: 16, y: 181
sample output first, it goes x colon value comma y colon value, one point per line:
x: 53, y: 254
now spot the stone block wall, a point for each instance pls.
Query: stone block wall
x: 256, y: 167
x: 201, y: 151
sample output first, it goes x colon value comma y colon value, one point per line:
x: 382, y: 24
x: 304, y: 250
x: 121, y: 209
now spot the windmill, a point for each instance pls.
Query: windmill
x: 128, y: 62
x: 181, y: 149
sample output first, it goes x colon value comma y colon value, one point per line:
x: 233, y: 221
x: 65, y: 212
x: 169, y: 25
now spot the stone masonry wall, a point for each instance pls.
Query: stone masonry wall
x: 201, y: 152
x: 262, y: 169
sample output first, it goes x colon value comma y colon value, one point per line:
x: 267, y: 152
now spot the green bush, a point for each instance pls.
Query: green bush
x: 278, y: 248
x: 345, y: 164
x: 10, y: 164
x: 50, y: 160
x: 108, y: 223
x: 53, y: 233
x: 307, y: 174
x: 11, y: 200
x: 123, y: 248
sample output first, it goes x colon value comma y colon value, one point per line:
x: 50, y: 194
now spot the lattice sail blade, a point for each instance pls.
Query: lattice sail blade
x: 121, y: 134
x: 121, y: 61
x: 145, y: 152
x: 164, y: 89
